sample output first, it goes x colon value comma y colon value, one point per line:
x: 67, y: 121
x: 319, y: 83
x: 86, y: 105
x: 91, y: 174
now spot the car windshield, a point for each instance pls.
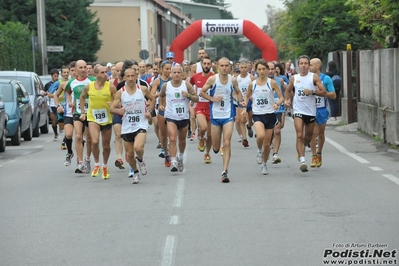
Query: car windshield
x: 26, y: 81
x: 6, y: 92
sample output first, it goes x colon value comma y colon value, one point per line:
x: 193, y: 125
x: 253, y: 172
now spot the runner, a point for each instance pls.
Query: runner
x: 322, y: 113
x: 307, y: 85
x: 202, y: 110
x: 262, y: 91
x: 222, y: 110
x: 130, y: 103
x: 100, y: 94
x: 175, y: 96
x: 155, y: 90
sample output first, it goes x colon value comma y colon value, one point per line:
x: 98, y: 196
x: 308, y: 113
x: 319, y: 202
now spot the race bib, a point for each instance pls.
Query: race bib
x: 179, y: 109
x: 100, y: 115
x: 320, y: 102
x: 133, y: 119
x: 78, y: 105
x: 262, y: 101
x: 201, y: 99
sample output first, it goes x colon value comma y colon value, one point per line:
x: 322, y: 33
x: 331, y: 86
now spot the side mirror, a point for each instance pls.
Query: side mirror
x: 25, y: 100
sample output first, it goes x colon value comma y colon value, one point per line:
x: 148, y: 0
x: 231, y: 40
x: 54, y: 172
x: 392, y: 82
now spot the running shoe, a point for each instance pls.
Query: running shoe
x: 276, y: 159
x: 159, y: 145
x: 162, y: 153
x: 259, y: 157
x: 308, y: 148
x: 63, y: 146
x: 245, y: 143
x: 168, y: 162
x: 192, y: 137
x: 263, y: 169
x: 105, y: 173
x: 207, y: 159
x: 142, y: 167
x: 180, y: 164
x: 136, y: 178
x: 174, y: 167
x: 240, y: 138
x: 201, y: 145
x: 80, y: 169
x: 224, y: 179
x: 56, y: 137
x: 250, y: 131
x: 319, y: 161
x: 303, y: 166
x: 68, y: 159
x: 314, y: 161
x: 87, y: 166
x: 221, y: 151
x: 131, y: 173
x: 119, y: 164
x: 96, y: 170
x: 188, y: 134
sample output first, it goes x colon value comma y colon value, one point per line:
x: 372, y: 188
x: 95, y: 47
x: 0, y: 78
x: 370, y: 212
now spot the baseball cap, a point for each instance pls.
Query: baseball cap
x: 170, y: 55
x: 109, y: 64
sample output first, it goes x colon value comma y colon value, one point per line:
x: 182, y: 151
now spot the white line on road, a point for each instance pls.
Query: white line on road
x: 345, y: 151
x: 39, y: 147
x: 174, y: 220
x: 179, y: 193
x: 167, y: 258
x: 375, y: 168
x: 392, y: 178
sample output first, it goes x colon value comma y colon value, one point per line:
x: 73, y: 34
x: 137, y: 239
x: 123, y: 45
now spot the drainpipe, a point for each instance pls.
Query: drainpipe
x: 384, y: 124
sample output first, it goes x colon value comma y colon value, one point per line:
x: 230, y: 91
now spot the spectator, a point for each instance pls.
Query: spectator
x: 332, y: 72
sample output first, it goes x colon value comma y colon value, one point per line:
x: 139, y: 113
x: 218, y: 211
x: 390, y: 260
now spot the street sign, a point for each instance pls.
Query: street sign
x: 55, y: 48
x: 144, y: 54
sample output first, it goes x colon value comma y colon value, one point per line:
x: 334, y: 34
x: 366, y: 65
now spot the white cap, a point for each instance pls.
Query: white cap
x: 109, y: 64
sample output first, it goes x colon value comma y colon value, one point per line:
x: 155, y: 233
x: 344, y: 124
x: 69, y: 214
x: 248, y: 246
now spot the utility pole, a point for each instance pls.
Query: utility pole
x: 41, y: 34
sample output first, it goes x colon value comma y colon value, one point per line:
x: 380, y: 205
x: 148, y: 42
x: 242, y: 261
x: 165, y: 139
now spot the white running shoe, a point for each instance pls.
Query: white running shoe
x: 142, y: 167
x: 239, y: 138
x: 68, y: 158
x: 180, y: 164
x: 131, y: 173
x: 259, y: 157
x: 80, y: 169
x: 136, y: 178
x: 87, y: 166
x: 303, y: 167
x: 263, y: 169
x: 276, y: 159
x: 174, y: 166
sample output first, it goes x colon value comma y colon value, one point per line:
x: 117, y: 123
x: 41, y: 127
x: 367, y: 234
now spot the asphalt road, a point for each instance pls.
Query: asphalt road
x: 51, y: 216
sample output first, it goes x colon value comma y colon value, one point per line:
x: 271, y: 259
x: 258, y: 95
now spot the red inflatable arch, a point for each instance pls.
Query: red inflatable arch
x: 224, y: 27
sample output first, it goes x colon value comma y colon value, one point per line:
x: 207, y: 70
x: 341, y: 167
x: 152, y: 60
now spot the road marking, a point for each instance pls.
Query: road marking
x: 174, y: 219
x: 392, y: 178
x: 167, y: 258
x: 10, y: 161
x: 179, y: 193
x: 39, y: 147
x: 26, y: 153
x: 375, y: 168
x: 50, y: 140
x: 345, y: 151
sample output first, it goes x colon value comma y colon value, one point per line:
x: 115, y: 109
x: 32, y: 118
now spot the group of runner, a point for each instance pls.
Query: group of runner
x: 180, y: 99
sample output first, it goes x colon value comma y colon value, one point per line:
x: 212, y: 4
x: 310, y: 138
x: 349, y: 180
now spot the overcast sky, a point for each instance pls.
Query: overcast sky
x: 253, y: 10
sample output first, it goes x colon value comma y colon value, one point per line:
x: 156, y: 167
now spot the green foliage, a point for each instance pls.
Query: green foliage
x: 381, y: 17
x: 319, y: 27
x: 69, y: 23
x: 16, y: 50
x: 226, y: 47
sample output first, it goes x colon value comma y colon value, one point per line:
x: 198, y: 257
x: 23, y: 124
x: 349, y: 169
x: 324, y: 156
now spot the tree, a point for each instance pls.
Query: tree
x: 226, y: 47
x: 68, y: 22
x: 381, y: 17
x: 16, y: 51
x: 319, y: 27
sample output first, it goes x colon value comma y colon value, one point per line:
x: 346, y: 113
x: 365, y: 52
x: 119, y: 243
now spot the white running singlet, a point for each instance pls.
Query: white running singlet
x: 222, y: 109
x: 134, y: 117
x: 262, y: 98
x: 177, y: 106
x: 303, y: 104
x: 243, y: 83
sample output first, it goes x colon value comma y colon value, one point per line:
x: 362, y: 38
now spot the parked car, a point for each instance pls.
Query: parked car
x: 34, y: 87
x: 3, y: 125
x: 19, y: 110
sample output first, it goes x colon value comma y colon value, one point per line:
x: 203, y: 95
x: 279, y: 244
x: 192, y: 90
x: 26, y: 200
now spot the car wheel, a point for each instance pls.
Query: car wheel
x: 36, y: 129
x: 44, y: 128
x: 28, y: 133
x: 3, y: 142
x: 16, y: 139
